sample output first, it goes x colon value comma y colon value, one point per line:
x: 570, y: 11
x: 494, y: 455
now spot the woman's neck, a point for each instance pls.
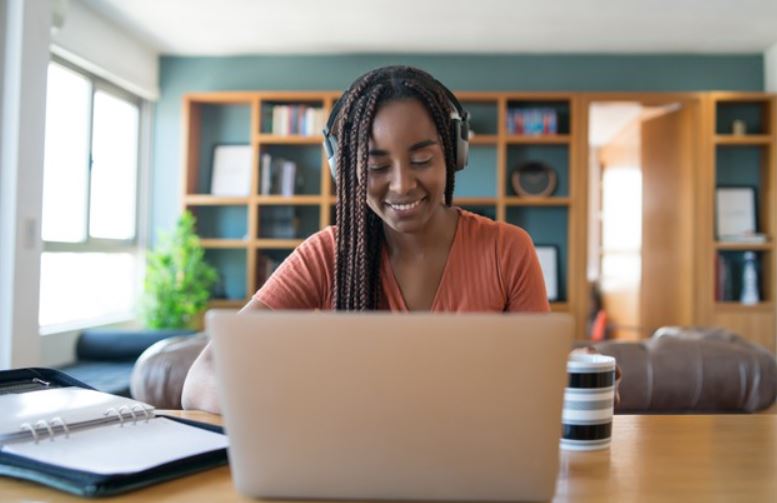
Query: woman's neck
x: 436, y: 235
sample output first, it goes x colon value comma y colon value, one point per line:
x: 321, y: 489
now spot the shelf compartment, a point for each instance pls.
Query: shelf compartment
x: 216, y: 124
x: 287, y: 221
x: 221, y: 222
x: 304, y: 179
x: 231, y: 267
x: 478, y: 179
x: 555, y: 156
x: 547, y: 226
x: 753, y: 113
x: 292, y: 117
x: 533, y: 119
x: 728, y: 270
x: 484, y: 116
x: 744, y: 166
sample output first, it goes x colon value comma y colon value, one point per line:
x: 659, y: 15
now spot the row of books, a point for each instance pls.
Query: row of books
x: 279, y: 222
x: 533, y: 121
x: 296, y: 119
x: 279, y: 176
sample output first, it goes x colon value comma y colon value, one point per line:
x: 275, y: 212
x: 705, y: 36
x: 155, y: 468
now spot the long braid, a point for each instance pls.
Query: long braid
x: 360, y: 235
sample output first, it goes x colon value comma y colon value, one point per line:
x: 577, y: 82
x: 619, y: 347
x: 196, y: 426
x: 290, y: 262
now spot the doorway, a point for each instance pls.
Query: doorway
x: 641, y: 156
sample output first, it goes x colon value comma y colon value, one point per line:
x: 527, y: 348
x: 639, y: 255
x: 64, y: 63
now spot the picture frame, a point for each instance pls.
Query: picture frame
x: 735, y: 212
x: 231, y: 170
x: 548, y: 257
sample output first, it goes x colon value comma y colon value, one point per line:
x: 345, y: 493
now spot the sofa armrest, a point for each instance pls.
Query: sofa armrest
x: 160, y: 372
x: 694, y: 370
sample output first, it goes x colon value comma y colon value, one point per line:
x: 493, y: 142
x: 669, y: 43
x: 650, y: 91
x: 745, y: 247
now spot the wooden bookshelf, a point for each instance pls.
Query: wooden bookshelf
x: 243, y: 117
x: 747, y: 159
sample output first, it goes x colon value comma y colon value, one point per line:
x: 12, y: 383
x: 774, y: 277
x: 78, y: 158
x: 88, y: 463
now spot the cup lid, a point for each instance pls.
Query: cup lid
x: 587, y: 362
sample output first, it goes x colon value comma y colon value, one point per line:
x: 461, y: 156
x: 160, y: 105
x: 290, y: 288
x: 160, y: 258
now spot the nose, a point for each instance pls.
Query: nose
x: 403, y: 179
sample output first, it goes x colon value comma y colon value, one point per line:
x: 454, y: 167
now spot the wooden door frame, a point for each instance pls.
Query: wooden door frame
x: 700, y: 124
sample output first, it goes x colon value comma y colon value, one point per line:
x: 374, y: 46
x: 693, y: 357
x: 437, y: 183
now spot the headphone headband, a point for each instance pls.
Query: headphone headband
x: 459, y: 118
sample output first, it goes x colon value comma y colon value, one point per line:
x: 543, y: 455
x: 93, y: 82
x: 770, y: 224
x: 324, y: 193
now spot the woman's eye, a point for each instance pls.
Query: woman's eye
x: 421, y: 162
x: 377, y: 167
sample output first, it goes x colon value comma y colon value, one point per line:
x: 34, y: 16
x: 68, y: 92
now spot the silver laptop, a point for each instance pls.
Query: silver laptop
x: 392, y: 406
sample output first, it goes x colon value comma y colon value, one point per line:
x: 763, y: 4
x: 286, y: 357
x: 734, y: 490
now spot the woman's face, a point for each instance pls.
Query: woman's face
x: 406, y: 167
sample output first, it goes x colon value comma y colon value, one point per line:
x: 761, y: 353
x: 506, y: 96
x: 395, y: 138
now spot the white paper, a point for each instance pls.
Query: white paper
x: 735, y: 211
x: 231, y: 170
x: 118, y: 449
x: 547, y: 258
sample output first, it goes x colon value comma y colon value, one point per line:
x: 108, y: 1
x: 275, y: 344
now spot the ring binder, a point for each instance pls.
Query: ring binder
x: 146, y: 412
x: 46, y: 425
x: 118, y: 414
x: 63, y: 424
x: 131, y: 413
x: 28, y: 426
x: 86, y: 464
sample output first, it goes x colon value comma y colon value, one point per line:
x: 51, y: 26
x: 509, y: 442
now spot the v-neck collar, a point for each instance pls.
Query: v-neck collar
x: 393, y: 283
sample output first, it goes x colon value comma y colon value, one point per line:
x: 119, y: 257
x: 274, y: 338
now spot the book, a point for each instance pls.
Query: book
x: 92, y: 443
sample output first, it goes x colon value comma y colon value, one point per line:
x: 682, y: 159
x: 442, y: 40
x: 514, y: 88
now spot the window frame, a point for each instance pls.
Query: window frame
x: 136, y: 244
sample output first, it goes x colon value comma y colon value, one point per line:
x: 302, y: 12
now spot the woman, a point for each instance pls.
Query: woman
x: 396, y: 138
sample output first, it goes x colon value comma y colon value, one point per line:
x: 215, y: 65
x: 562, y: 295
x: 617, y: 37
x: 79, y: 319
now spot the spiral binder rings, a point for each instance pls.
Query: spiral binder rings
x: 59, y: 432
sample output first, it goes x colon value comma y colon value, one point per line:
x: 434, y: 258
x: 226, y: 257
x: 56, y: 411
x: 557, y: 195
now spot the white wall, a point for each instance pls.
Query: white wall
x: 25, y: 45
x: 770, y: 69
x: 101, y: 47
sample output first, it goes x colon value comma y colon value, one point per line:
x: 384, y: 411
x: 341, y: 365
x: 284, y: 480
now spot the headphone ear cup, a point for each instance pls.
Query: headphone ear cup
x: 330, y: 145
x: 461, y: 133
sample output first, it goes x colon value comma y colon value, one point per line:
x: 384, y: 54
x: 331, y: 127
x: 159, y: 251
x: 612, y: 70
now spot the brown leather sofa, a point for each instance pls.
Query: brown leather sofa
x: 686, y: 370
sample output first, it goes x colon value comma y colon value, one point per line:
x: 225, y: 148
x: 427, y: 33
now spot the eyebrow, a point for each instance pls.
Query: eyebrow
x: 376, y: 152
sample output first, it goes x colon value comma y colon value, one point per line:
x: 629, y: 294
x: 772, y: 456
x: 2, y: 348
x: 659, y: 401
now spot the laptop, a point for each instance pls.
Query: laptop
x: 392, y: 406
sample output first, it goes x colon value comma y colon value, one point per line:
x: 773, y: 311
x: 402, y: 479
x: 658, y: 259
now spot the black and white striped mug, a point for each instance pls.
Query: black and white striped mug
x: 588, y: 402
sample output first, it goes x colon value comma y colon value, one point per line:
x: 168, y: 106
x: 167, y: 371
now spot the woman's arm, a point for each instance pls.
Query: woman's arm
x: 199, y: 388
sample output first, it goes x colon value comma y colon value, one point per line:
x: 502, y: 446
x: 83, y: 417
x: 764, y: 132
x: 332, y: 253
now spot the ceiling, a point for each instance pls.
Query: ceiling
x: 227, y: 27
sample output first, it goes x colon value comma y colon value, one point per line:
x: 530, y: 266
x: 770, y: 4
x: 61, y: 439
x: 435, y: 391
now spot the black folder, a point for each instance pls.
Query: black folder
x: 74, y: 423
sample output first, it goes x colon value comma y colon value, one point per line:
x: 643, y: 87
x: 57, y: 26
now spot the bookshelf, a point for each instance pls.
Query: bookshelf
x: 741, y: 155
x: 237, y: 231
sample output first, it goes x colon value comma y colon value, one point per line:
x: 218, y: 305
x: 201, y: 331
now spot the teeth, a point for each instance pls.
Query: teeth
x: 405, y: 207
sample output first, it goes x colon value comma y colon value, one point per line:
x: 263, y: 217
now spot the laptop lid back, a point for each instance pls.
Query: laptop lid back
x: 388, y: 406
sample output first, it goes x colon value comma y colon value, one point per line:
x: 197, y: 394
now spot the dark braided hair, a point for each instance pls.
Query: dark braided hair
x: 360, y: 235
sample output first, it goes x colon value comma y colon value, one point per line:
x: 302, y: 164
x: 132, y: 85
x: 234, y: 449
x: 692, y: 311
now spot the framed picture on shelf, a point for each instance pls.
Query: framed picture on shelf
x: 231, y: 174
x: 735, y: 213
x: 548, y: 256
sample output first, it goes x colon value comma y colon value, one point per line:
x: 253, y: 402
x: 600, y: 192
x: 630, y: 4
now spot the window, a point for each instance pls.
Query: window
x: 91, y: 262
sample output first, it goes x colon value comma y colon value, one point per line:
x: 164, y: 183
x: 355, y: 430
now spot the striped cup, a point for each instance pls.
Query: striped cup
x: 588, y: 402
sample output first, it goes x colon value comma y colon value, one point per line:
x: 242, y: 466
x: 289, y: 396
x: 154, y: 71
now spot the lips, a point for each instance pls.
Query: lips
x: 405, y: 208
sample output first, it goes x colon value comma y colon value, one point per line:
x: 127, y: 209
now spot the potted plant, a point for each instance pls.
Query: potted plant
x: 178, y: 281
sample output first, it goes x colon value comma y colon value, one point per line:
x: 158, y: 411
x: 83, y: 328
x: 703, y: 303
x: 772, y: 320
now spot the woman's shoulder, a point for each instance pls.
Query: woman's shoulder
x: 324, y: 239
x: 481, y: 229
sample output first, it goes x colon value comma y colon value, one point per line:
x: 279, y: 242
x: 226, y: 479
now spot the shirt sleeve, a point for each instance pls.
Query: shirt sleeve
x: 304, y: 279
x: 521, y: 272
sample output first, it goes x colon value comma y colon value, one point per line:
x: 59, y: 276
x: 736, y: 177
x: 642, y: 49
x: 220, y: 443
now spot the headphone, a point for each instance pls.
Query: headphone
x: 459, y: 131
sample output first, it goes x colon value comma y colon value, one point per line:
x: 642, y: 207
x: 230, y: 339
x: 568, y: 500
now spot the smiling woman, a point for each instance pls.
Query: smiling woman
x: 395, y: 141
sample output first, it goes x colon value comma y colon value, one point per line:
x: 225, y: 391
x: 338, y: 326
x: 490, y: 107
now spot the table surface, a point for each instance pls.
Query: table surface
x: 652, y: 458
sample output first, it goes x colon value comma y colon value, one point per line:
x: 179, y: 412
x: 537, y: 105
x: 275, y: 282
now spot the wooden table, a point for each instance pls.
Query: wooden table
x: 652, y: 458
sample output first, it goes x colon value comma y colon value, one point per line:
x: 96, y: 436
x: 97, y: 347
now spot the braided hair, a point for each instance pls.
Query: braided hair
x: 360, y: 237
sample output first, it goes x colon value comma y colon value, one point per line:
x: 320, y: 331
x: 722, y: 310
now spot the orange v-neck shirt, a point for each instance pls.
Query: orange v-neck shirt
x: 491, y: 267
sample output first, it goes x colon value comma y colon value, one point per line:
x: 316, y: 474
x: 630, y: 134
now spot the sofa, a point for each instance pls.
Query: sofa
x: 677, y: 370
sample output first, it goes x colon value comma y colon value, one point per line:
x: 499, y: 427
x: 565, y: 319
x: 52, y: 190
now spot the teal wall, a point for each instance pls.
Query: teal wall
x: 179, y: 75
